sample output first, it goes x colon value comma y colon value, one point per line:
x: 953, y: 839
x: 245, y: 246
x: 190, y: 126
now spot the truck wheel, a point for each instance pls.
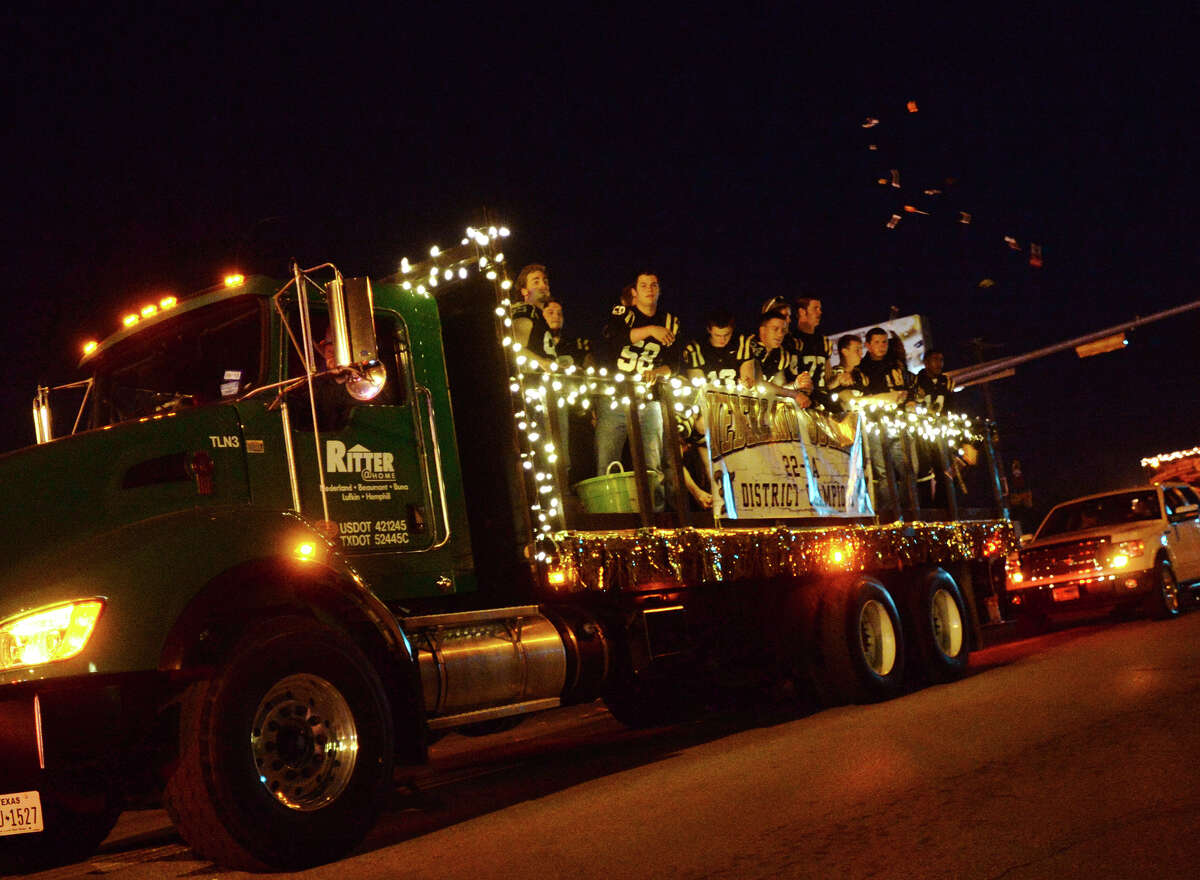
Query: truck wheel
x: 285, y: 754
x: 1163, y: 602
x: 861, y: 657
x: 939, y: 626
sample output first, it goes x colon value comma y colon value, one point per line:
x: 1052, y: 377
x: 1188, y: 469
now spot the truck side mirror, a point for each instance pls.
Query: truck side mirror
x: 1184, y: 512
x: 352, y: 321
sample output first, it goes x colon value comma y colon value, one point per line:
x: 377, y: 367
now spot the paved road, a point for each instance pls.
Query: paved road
x: 1070, y: 755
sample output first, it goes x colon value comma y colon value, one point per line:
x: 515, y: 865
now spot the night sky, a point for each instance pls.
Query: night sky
x: 148, y: 153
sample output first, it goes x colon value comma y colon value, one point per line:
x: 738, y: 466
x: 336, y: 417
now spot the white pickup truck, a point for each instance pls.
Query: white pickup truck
x: 1135, y: 548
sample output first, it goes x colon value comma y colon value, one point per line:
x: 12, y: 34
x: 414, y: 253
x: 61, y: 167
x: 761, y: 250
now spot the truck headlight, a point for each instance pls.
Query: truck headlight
x: 48, y: 635
x: 1126, y: 551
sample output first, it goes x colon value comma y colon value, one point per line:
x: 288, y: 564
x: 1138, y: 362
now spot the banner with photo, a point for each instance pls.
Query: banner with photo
x: 911, y: 330
x: 773, y: 460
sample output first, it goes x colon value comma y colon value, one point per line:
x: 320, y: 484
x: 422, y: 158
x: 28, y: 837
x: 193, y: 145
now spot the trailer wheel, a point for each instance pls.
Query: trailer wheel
x: 286, y: 753
x: 861, y: 656
x: 939, y: 626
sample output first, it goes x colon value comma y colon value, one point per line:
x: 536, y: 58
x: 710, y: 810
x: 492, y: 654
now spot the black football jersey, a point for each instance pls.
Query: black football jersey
x: 879, y: 376
x: 814, y: 350
x: 637, y: 357
x: 778, y: 365
x: 576, y: 348
x: 933, y: 391
x: 719, y: 365
x: 541, y: 340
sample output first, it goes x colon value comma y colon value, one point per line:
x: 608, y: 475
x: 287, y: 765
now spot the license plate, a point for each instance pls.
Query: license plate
x: 1065, y: 594
x: 20, y: 813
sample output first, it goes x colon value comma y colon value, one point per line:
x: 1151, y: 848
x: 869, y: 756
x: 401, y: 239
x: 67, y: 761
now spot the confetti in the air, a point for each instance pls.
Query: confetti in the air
x: 947, y: 186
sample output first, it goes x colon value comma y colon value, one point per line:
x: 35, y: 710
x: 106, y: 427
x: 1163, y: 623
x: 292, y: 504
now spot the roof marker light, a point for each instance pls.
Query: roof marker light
x: 130, y: 320
x: 234, y: 280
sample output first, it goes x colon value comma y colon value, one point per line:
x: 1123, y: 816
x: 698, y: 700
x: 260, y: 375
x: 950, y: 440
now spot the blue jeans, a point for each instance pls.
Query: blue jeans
x: 612, y: 429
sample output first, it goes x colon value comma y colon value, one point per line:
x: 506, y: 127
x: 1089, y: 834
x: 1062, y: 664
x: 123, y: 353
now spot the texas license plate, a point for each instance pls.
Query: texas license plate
x: 1065, y: 594
x: 20, y: 813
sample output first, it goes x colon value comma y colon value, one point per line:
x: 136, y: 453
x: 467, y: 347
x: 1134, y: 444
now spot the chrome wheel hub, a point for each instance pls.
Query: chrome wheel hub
x: 304, y: 741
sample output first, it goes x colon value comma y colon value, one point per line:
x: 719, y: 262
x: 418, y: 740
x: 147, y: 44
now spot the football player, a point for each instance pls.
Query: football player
x: 773, y: 365
x: 813, y: 349
x: 718, y: 358
x: 529, y: 327
x: 571, y: 349
x: 643, y: 339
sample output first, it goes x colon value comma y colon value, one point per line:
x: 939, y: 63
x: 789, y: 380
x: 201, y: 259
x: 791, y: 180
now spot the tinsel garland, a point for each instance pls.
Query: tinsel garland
x: 646, y: 559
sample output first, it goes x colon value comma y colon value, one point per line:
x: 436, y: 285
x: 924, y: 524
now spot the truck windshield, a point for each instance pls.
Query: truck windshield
x: 194, y: 358
x: 1110, y: 510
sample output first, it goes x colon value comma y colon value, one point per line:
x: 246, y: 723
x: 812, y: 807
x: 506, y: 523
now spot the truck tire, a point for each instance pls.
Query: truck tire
x: 1164, y: 601
x: 861, y: 645
x: 938, y: 626
x: 286, y: 753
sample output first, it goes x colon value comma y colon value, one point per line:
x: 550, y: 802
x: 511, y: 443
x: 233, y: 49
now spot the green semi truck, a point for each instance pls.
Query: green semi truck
x: 300, y: 528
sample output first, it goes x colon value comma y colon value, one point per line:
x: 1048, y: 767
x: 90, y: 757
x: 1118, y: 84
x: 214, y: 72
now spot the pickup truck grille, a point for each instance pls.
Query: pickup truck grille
x: 1069, y: 557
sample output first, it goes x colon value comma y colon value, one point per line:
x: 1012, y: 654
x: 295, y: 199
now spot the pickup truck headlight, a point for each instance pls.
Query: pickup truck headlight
x: 1127, y: 551
x: 48, y: 635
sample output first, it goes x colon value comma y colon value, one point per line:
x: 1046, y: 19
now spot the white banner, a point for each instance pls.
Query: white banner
x: 773, y: 460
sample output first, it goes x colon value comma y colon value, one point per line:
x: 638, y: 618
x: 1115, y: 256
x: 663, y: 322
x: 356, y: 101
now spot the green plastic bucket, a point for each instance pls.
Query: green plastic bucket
x: 612, y: 492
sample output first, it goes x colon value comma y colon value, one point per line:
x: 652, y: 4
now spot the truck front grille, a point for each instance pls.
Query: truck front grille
x: 1070, y: 557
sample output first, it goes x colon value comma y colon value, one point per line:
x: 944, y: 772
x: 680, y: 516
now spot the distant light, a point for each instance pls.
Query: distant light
x: 234, y: 280
x: 557, y: 577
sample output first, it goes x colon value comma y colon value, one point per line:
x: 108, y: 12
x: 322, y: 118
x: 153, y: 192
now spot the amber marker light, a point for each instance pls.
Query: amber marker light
x: 167, y: 302
x: 149, y: 310
x: 48, y: 635
x: 129, y: 320
x: 234, y: 280
x: 838, y: 555
x: 306, y: 551
x: 90, y: 346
